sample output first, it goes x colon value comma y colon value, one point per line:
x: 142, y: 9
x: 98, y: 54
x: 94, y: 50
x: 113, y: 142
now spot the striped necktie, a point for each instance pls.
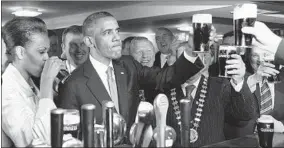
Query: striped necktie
x: 266, y: 98
x: 112, y: 88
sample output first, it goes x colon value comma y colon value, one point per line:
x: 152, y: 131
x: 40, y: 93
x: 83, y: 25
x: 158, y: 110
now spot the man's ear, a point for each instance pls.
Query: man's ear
x: 62, y: 46
x: 20, y: 52
x: 89, y: 41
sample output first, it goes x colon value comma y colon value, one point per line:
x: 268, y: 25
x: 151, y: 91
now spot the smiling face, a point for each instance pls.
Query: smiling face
x: 164, y: 41
x: 35, y: 54
x: 256, y: 58
x: 75, y: 49
x: 106, y: 38
x: 143, y: 52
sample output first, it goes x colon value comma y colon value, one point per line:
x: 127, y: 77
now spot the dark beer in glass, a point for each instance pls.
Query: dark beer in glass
x: 224, y: 54
x: 244, y: 15
x: 201, y: 32
x: 270, y: 59
x: 71, y: 122
x: 265, y: 130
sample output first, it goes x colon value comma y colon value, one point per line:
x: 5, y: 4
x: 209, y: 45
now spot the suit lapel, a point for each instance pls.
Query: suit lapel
x: 95, y: 83
x: 121, y: 82
x: 157, y: 61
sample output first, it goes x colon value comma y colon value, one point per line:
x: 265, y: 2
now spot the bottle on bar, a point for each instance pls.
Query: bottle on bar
x: 88, y: 119
x: 56, y: 127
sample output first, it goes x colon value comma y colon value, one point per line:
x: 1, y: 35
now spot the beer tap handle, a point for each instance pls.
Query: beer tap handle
x: 88, y: 119
x: 108, y: 123
x: 57, y: 127
x: 161, y: 105
x: 144, y: 120
x: 185, y: 108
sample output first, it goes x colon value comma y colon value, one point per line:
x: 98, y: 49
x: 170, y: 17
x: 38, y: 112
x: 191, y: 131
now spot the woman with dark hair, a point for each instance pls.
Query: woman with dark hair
x: 25, y: 109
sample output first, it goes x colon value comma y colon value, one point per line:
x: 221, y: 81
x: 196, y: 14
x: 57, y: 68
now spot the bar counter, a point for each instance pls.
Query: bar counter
x: 249, y: 141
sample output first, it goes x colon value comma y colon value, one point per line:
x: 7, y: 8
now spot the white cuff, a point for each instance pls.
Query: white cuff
x: 189, y: 58
x: 237, y: 87
x: 278, y: 126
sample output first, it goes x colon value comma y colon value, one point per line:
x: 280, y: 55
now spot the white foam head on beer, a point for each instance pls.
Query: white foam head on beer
x: 265, y: 119
x: 202, y: 18
x: 245, y: 11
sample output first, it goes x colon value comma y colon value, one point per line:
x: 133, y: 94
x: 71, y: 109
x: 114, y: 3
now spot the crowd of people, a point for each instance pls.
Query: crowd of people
x: 102, y: 67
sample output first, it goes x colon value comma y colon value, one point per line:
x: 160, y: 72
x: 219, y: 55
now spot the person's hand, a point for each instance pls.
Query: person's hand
x: 175, y: 44
x: 50, y: 70
x: 213, y: 40
x: 264, y: 37
x: 265, y: 69
x: 236, y: 67
x: 278, y: 126
x: 171, y: 59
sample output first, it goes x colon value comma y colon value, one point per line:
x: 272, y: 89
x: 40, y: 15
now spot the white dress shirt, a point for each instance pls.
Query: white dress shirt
x: 25, y: 116
x: 101, y: 70
x: 163, y: 58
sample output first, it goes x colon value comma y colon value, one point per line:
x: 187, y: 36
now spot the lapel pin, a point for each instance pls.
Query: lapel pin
x: 122, y: 73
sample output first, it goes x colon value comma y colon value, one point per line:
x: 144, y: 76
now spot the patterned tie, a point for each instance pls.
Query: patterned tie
x: 188, y: 90
x: 112, y: 88
x: 266, y: 98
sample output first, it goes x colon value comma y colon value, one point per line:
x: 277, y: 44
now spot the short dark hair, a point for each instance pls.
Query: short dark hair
x: 137, y: 39
x: 127, y: 41
x: 17, y: 31
x: 228, y: 35
x: 74, y: 29
x: 89, y: 22
x: 51, y: 33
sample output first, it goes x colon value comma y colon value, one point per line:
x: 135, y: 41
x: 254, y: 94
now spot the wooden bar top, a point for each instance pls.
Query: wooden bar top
x: 249, y: 141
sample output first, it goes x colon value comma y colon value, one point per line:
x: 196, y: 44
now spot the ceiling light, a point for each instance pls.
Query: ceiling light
x: 28, y: 12
x: 186, y: 28
x: 262, y: 11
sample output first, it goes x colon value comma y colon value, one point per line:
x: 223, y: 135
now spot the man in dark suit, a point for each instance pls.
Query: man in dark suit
x: 165, y: 41
x: 223, y: 99
x: 108, y: 76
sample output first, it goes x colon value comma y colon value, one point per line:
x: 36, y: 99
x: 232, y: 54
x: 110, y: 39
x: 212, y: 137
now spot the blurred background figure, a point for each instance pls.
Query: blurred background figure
x: 54, y: 45
x: 74, y: 49
x: 142, y: 50
x: 6, y: 56
x: 25, y: 108
x: 164, y: 39
x: 126, y: 45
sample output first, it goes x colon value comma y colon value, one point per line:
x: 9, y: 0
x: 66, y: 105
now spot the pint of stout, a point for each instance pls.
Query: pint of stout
x: 201, y: 32
x: 276, y: 78
x: 71, y: 122
x: 224, y: 54
x: 244, y: 15
x: 265, y: 129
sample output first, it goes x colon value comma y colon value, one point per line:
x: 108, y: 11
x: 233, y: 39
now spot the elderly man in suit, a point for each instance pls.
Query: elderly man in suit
x: 166, y: 42
x: 213, y: 100
x: 256, y: 69
x: 107, y: 75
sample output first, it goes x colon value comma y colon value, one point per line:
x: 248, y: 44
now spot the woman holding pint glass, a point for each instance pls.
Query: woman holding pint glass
x: 25, y: 109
